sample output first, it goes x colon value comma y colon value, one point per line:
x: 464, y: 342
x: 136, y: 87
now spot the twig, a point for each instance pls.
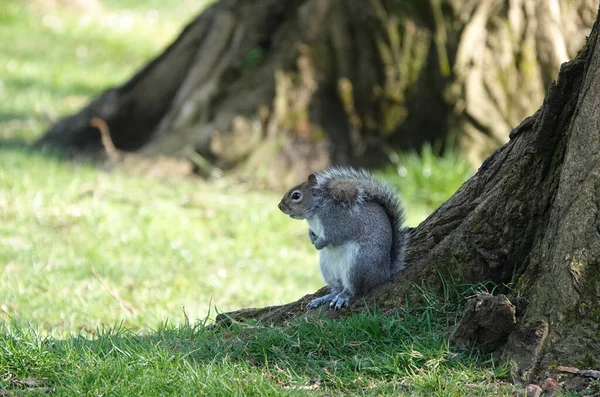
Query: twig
x: 107, y: 142
x: 114, y: 293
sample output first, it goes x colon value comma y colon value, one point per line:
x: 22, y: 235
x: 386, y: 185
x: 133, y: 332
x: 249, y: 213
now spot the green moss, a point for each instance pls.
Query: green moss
x: 588, y: 361
x: 553, y: 365
x: 441, y: 38
x: 317, y: 134
x: 252, y: 58
x: 346, y: 93
x: 320, y: 57
x: 590, y: 290
x: 528, y: 65
x: 393, y: 115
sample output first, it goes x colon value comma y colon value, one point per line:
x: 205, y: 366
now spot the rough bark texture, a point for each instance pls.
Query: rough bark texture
x: 285, y: 86
x: 529, y: 218
x: 487, y: 321
x: 506, y: 55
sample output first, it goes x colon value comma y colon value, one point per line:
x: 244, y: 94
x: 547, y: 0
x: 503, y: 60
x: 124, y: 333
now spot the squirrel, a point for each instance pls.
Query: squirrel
x: 355, y: 221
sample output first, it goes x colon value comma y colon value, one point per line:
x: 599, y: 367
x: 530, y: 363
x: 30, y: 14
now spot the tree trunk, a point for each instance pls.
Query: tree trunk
x: 529, y: 218
x: 283, y: 86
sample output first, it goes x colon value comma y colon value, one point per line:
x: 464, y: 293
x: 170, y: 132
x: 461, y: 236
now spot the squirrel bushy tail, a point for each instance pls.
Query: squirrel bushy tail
x: 349, y: 186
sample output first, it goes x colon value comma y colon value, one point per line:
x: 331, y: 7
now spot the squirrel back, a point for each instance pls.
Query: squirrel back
x: 350, y: 187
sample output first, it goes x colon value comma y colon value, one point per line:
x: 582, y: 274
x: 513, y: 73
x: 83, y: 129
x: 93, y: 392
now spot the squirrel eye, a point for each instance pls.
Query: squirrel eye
x: 296, y: 196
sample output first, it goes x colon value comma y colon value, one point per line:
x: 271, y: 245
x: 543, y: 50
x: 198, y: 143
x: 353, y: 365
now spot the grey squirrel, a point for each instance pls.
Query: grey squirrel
x: 355, y: 221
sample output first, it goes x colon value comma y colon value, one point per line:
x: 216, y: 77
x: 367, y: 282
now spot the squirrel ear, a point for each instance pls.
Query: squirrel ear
x: 312, y: 179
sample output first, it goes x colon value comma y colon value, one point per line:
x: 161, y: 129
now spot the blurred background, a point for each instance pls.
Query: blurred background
x: 144, y: 145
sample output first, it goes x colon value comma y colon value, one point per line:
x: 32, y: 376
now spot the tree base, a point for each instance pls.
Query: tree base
x: 528, y: 219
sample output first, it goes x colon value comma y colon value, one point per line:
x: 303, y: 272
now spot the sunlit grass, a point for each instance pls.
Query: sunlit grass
x: 426, y: 179
x: 71, y: 237
x: 55, y: 59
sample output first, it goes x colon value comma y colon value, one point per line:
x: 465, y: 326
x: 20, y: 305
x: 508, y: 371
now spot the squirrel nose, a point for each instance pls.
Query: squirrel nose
x: 282, y: 207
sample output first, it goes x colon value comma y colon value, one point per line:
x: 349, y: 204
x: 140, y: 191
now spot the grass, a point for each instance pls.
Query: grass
x: 58, y: 58
x: 367, y: 354
x: 108, y: 281
x: 426, y: 178
x: 71, y: 236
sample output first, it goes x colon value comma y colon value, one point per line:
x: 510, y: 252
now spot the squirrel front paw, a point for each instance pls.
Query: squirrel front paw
x: 312, y: 236
x: 320, y: 243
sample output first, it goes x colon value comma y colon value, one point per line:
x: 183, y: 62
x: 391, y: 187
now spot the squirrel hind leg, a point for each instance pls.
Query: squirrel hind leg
x: 322, y: 300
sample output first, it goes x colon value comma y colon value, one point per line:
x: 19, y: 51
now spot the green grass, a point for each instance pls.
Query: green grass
x: 71, y: 234
x: 367, y: 354
x: 426, y: 179
x: 54, y: 60
x: 108, y: 281
x: 82, y: 248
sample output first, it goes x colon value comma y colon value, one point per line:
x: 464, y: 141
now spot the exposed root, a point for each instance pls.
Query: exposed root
x: 109, y: 147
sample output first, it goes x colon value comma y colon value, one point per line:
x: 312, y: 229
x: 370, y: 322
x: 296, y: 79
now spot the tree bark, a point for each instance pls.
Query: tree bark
x: 286, y: 86
x: 529, y: 219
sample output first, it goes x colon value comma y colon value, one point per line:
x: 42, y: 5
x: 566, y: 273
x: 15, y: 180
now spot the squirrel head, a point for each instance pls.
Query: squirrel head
x: 300, y: 200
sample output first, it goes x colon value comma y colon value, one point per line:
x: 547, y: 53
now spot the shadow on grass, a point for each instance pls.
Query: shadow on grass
x: 397, y: 354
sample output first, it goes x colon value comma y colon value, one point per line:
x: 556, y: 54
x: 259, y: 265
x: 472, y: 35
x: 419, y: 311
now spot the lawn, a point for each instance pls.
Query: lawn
x: 109, y: 281
x: 54, y: 59
x: 83, y: 248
